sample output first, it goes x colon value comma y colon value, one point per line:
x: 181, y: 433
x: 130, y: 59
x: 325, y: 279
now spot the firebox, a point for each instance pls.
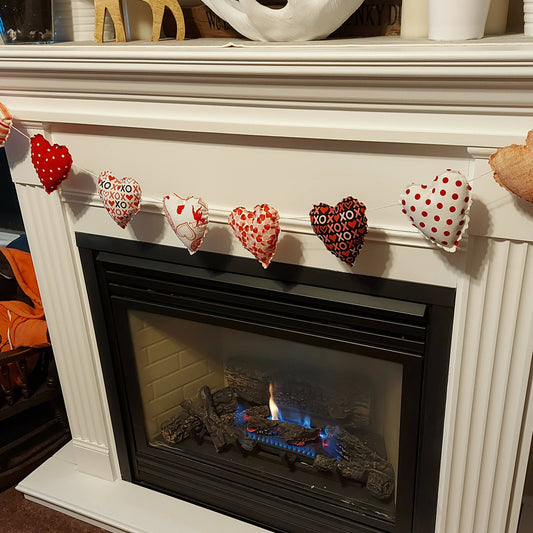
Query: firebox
x: 294, y: 398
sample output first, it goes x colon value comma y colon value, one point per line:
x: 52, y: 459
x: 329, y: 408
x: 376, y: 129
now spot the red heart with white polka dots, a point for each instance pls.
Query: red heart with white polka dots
x: 257, y: 230
x: 441, y: 211
x: 52, y: 162
x: 121, y: 197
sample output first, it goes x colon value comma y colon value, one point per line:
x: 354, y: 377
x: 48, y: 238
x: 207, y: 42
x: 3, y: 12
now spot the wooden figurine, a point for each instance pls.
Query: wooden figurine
x: 158, y: 8
x: 113, y: 7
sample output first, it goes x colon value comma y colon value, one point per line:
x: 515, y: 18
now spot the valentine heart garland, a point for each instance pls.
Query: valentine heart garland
x: 188, y: 217
x: 513, y: 168
x: 121, y: 197
x: 439, y: 210
x: 257, y: 231
x: 52, y: 162
x: 342, y: 228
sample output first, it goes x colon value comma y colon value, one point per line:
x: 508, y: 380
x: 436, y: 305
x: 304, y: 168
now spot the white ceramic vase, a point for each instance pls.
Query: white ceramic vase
x: 455, y: 20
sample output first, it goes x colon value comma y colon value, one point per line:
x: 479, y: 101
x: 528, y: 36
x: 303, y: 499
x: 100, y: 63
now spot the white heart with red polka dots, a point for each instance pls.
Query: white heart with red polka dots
x: 440, y: 211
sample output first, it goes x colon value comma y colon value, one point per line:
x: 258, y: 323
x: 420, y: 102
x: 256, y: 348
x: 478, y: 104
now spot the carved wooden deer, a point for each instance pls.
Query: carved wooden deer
x: 158, y: 8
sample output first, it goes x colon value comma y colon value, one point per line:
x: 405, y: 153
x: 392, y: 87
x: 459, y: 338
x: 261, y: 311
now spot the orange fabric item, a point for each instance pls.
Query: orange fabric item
x: 20, y: 323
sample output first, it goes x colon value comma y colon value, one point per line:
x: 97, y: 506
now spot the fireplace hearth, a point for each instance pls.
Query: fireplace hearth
x: 296, y: 399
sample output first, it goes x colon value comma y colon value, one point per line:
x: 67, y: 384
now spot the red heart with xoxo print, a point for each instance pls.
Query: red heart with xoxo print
x: 341, y: 228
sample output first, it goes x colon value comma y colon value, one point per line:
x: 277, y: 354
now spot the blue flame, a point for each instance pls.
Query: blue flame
x: 329, y: 444
x: 294, y: 418
x: 239, y: 415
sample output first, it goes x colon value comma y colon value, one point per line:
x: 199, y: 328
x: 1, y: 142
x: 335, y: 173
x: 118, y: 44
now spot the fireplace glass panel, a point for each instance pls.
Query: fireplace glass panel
x: 308, y: 414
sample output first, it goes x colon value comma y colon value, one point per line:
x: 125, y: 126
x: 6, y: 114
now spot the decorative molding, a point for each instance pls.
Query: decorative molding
x: 288, y: 224
x: 57, y: 276
x: 338, y: 92
x: 478, y: 152
x: 93, y: 459
x: 487, y: 387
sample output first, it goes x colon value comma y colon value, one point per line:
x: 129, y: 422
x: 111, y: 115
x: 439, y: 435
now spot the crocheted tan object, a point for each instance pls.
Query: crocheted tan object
x: 513, y: 168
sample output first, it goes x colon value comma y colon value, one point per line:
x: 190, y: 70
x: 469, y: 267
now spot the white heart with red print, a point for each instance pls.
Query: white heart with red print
x: 188, y: 217
x: 440, y: 211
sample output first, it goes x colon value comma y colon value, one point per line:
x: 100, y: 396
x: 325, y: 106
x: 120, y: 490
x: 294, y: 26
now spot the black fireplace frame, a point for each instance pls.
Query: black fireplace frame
x: 405, y: 322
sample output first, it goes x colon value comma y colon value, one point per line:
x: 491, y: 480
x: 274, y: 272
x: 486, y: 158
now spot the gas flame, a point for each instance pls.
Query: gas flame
x: 293, y: 417
x: 274, y: 411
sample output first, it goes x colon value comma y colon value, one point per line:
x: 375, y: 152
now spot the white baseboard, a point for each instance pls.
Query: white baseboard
x: 119, y: 506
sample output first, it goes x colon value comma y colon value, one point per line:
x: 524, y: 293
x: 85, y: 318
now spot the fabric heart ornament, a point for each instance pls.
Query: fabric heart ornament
x: 257, y: 230
x: 121, y: 197
x: 441, y: 211
x: 341, y: 228
x: 188, y: 217
x: 5, y: 124
x: 513, y: 168
x: 52, y: 162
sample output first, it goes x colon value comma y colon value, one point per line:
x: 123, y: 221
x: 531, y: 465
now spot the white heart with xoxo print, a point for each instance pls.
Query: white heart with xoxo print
x: 121, y: 197
x: 440, y: 211
x: 188, y: 217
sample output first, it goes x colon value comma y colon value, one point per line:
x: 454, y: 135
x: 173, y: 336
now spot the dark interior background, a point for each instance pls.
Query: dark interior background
x: 10, y: 216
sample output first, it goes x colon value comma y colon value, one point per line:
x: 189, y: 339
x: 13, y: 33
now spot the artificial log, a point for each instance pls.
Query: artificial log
x: 299, y: 392
x: 249, y: 380
x: 290, y: 433
x: 353, y: 470
x: 181, y: 427
x: 351, y: 403
x: 203, y: 407
x: 261, y: 411
x: 325, y: 464
x: 258, y: 410
x: 225, y: 401
x: 361, y: 463
x: 380, y: 484
x: 262, y: 426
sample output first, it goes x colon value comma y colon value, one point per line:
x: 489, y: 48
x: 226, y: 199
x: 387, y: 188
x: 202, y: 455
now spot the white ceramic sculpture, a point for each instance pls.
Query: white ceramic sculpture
x: 298, y: 20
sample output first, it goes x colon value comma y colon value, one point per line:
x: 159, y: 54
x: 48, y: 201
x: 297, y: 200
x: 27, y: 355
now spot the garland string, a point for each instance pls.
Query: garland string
x: 306, y: 218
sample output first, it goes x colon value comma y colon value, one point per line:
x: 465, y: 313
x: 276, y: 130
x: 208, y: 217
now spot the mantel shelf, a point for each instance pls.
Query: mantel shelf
x: 373, y: 50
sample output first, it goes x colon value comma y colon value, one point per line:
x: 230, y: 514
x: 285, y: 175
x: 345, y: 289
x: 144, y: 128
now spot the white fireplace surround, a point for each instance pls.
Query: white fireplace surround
x: 291, y: 125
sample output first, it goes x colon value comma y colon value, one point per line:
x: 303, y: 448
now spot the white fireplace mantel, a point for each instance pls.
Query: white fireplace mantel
x: 241, y: 123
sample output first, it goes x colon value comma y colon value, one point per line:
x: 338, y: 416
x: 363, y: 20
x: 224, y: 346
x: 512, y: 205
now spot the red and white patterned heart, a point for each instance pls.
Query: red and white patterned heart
x: 188, y: 217
x: 440, y: 211
x: 121, y: 197
x: 257, y: 230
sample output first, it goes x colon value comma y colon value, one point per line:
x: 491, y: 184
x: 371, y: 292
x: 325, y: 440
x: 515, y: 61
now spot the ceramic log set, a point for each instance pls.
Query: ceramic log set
x: 298, y: 20
x: 114, y: 8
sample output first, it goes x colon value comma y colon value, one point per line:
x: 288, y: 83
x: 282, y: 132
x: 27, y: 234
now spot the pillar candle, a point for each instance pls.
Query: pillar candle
x: 414, y: 19
x: 528, y: 17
